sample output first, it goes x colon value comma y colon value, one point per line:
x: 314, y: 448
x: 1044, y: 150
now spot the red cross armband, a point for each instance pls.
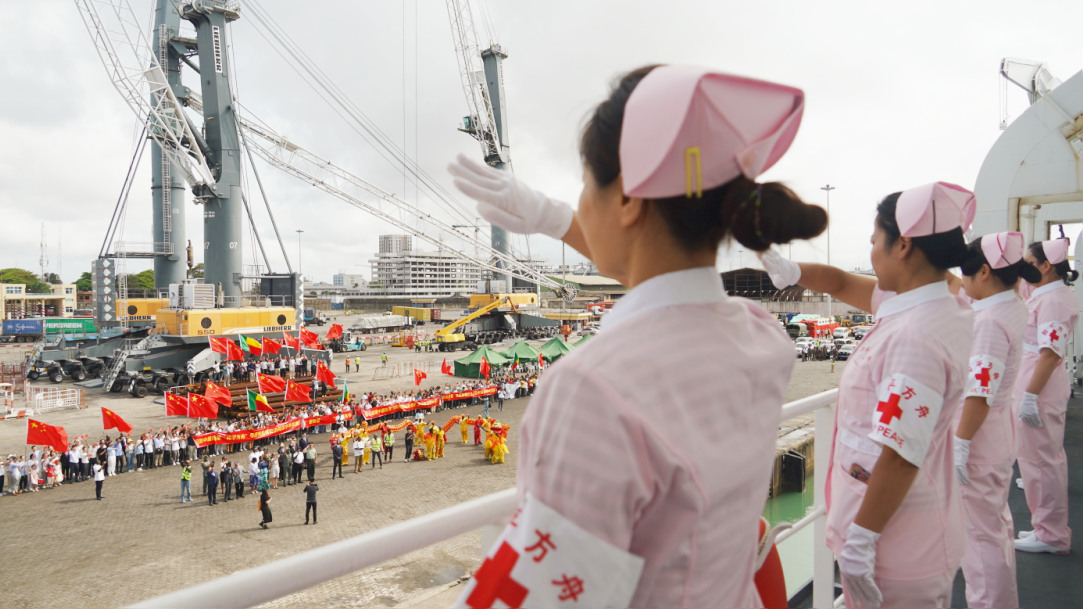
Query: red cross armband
x: 983, y: 377
x: 1053, y: 335
x: 905, y: 416
x: 542, y: 559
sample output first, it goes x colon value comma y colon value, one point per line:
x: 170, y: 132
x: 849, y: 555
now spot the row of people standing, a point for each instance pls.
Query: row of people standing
x: 670, y: 161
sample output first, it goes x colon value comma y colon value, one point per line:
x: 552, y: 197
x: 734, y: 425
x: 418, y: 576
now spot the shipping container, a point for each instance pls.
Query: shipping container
x: 70, y: 325
x: 22, y: 327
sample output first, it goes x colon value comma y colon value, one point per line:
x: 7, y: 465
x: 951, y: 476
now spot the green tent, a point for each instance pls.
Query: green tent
x: 579, y: 343
x: 525, y: 352
x: 555, y: 348
x: 470, y: 366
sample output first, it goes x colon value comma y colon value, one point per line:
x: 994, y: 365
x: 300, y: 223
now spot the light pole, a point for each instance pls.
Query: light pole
x: 299, y: 271
x: 828, y: 188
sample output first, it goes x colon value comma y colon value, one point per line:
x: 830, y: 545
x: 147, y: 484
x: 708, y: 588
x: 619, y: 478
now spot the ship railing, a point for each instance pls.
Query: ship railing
x: 489, y: 514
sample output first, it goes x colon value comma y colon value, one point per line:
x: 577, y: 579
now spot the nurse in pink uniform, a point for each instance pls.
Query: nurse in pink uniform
x: 894, y: 516
x: 984, y: 435
x: 1041, y: 399
x: 620, y: 448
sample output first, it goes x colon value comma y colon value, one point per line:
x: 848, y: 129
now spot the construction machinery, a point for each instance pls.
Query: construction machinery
x: 492, y: 323
x: 349, y: 341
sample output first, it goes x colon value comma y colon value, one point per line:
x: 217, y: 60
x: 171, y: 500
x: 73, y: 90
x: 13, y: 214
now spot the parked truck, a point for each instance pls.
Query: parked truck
x: 314, y: 317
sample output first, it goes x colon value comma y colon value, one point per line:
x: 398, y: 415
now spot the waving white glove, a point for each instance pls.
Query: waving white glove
x: 783, y: 272
x: 508, y: 203
x: 1028, y: 410
x: 857, y: 565
x: 962, y: 455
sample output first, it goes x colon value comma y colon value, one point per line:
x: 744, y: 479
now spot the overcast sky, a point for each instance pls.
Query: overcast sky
x: 898, y: 94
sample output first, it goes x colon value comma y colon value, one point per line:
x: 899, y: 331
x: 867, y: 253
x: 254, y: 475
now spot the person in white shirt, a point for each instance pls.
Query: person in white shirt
x: 99, y: 479
x: 358, y: 454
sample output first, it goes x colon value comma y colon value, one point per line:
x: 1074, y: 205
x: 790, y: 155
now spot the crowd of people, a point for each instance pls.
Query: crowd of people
x: 265, y: 463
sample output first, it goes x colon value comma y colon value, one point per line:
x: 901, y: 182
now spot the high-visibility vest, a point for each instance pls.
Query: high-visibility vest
x: 186, y: 473
x: 389, y: 439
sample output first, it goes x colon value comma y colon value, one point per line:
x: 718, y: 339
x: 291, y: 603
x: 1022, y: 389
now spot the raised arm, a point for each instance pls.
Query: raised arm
x: 854, y: 290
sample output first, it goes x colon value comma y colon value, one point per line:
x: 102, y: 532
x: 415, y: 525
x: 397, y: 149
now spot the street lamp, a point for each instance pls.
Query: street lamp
x: 299, y: 268
x: 828, y: 190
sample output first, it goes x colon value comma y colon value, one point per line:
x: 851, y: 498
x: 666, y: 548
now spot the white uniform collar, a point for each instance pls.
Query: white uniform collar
x: 702, y: 285
x: 913, y: 298
x: 1049, y: 287
x: 1005, y: 296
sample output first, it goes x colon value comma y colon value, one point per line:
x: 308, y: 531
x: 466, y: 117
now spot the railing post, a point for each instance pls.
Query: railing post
x: 823, y: 561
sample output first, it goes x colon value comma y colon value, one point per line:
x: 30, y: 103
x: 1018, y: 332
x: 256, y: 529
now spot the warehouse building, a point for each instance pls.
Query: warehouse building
x: 16, y: 303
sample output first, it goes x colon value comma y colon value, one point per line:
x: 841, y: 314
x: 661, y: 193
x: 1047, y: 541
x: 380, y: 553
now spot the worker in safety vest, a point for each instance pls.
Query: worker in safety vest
x: 383, y: 359
x: 389, y: 445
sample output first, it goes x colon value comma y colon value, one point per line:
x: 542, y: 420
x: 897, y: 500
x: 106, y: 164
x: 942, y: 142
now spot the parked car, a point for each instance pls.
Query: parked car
x: 844, y: 352
x: 588, y: 331
x: 803, y: 340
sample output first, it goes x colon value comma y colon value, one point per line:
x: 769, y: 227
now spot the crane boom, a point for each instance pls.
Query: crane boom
x: 445, y: 334
x: 481, y: 124
x: 134, y: 69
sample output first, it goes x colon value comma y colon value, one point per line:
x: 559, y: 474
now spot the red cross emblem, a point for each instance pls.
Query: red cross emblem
x: 1054, y: 336
x: 983, y: 376
x: 570, y: 588
x: 495, y: 582
x: 544, y: 544
x: 890, y: 409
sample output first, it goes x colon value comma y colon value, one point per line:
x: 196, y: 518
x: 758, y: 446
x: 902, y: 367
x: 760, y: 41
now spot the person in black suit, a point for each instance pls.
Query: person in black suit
x: 336, y: 460
x: 212, y: 485
x: 227, y: 480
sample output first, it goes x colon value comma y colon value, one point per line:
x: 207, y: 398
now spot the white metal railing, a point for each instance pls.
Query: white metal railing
x: 41, y: 399
x: 277, y: 579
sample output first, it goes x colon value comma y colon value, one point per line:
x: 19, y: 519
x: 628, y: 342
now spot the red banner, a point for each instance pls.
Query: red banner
x: 386, y: 409
x: 472, y: 393
x: 248, y: 435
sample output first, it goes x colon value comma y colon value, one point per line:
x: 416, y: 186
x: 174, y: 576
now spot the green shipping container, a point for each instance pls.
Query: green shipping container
x: 70, y: 325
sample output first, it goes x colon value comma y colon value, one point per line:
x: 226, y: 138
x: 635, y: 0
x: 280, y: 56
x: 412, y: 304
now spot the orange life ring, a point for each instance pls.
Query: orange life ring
x: 770, y: 581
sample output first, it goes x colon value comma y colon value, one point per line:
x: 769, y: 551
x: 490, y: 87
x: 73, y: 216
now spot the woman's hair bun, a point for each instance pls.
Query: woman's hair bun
x: 770, y: 213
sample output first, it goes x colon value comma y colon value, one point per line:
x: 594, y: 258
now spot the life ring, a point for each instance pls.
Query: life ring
x: 770, y: 581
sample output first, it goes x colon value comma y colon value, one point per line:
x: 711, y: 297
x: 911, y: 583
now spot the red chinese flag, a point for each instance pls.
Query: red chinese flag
x: 175, y: 405
x: 324, y: 375
x: 541, y: 360
x: 218, y: 345
x: 335, y: 331
x: 200, y: 406
x: 271, y: 384
x: 444, y: 368
x: 110, y: 420
x: 484, y: 368
x: 296, y: 392
x: 291, y: 342
x: 309, y: 338
x: 49, y: 435
x: 271, y: 346
x: 233, y: 351
x: 218, y: 394
x: 418, y: 375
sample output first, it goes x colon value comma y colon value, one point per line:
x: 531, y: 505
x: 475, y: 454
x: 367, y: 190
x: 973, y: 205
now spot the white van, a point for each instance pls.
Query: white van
x: 841, y: 333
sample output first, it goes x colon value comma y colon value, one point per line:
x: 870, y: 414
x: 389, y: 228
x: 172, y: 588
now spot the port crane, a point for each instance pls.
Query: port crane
x: 137, y: 73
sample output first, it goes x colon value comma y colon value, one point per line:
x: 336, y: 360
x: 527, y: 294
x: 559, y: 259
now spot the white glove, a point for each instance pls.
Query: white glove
x: 783, y: 272
x: 1028, y: 410
x: 962, y: 455
x: 507, y: 202
x: 857, y: 565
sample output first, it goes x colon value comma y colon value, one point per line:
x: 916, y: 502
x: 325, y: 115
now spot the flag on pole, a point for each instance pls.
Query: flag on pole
x: 218, y: 344
x: 110, y: 420
x: 251, y: 346
x: 515, y: 364
x: 258, y: 403
x: 418, y: 375
x: 484, y: 368
x: 291, y: 342
x: 271, y: 384
x: 296, y: 392
x: 310, y: 339
x: 541, y: 360
x: 175, y: 405
x: 345, y: 392
x: 324, y: 375
x: 199, y: 406
x: 335, y: 331
x: 218, y: 394
x: 445, y: 369
x: 271, y: 346
x: 233, y: 352
x: 49, y: 435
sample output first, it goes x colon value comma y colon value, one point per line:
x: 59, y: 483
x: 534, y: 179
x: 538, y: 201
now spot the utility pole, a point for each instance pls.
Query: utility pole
x: 299, y: 267
x: 828, y: 188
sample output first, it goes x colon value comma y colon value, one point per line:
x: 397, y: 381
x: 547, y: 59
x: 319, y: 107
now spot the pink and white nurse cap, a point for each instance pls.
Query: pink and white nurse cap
x: 1056, y: 250
x: 934, y: 208
x: 687, y: 129
x: 1003, y: 249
